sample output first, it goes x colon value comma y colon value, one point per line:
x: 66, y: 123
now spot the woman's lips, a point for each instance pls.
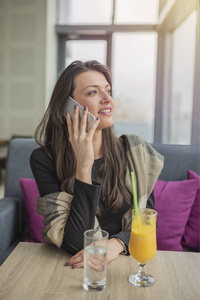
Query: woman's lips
x: 107, y: 111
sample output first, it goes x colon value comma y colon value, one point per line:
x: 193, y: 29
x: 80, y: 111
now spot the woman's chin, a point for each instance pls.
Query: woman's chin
x: 105, y: 124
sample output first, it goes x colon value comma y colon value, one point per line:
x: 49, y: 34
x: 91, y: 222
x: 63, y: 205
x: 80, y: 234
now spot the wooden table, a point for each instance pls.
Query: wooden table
x: 36, y: 271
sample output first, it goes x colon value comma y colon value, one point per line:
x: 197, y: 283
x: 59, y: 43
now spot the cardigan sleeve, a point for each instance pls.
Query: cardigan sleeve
x: 83, y: 206
x: 82, y: 215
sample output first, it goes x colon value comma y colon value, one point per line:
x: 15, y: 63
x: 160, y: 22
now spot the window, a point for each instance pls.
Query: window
x: 136, y: 11
x: 85, y: 12
x: 150, y: 46
x: 133, y: 67
x: 85, y: 50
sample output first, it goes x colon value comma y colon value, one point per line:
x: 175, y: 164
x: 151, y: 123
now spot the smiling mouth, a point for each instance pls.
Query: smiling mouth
x: 105, y: 111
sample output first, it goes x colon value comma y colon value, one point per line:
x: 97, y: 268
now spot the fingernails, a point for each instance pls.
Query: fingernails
x: 66, y: 113
x: 97, y: 118
x: 67, y: 264
x: 85, y: 107
x: 75, y: 106
x: 74, y: 266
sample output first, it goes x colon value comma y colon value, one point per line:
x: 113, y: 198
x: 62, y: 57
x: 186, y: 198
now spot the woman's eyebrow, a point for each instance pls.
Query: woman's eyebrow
x: 95, y: 85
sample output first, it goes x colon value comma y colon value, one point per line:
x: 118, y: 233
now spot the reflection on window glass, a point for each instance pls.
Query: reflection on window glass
x: 182, y: 81
x: 136, y: 11
x: 85, y: 50
x: 85, y: 11
x: 134, y: 70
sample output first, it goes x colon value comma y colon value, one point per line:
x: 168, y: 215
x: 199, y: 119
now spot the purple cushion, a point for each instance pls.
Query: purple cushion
x: 31, y: 194
x: 173, y: 202
x: 191, y: 237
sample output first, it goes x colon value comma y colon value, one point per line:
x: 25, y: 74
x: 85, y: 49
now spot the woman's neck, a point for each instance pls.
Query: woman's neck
x: 97, y: 144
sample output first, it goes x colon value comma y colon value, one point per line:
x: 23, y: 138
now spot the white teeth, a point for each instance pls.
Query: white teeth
x: 105, y: 111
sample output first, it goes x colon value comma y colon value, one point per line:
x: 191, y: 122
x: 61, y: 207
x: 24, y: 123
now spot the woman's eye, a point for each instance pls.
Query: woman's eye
x: 109, y: 92
x: 92, y: 93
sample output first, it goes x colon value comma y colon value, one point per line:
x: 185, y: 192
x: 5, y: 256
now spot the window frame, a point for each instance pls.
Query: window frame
x: 81, y: 36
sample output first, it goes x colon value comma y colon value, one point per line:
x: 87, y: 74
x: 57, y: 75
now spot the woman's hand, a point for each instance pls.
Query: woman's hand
x: 114, y: 249
x: 81, y: 142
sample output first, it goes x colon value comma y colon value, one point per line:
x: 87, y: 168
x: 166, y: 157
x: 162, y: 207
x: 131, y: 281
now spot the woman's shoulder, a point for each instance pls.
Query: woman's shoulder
x: 40, y: 154
x: 40, y: 151
x: 132, y: 139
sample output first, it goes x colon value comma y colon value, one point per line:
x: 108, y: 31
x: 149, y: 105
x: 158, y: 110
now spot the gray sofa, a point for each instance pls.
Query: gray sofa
x: 13, y: 222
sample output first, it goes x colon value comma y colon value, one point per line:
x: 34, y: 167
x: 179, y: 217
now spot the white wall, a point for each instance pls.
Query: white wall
x: 27, y: 63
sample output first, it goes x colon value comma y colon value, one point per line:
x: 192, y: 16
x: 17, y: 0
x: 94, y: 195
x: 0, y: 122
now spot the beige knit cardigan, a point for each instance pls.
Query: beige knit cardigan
x: 143, y: 160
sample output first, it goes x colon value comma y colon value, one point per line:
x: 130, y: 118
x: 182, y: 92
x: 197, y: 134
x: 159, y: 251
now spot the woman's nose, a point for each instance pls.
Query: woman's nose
x: 105, y: 97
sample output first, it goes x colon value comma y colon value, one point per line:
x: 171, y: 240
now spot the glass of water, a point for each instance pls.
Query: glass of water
x: 95, y: 259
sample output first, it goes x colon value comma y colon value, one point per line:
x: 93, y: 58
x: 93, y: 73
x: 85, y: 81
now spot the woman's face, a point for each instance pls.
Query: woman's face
x: 93, y: 90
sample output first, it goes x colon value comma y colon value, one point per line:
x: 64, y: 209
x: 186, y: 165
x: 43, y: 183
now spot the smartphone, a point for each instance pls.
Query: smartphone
x: 69, y: 107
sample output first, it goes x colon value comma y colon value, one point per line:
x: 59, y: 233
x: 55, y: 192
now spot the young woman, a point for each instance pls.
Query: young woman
x: 83, y: 176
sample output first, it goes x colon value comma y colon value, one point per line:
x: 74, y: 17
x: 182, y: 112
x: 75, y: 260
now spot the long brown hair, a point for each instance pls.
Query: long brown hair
x: 52, y: 134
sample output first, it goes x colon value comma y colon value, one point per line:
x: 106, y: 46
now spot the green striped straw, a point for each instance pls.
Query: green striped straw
x: 134, y: 194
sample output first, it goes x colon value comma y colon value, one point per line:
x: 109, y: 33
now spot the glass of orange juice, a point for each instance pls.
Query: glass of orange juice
x: 142, y: 245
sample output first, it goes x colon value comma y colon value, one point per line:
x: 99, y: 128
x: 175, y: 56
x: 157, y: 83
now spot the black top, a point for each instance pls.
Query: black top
x: 86, y: 199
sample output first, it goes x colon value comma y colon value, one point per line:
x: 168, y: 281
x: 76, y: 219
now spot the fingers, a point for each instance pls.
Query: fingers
x: 95, y: 262
x: 76, y: 120
x: 93, y: 128
x: 74, y: 125
x: 76, y: 261
x: 84, y: 121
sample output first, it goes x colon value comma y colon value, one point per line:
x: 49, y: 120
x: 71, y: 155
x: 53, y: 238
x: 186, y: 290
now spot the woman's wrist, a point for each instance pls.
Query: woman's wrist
x: 120, y: 245
x: 123, y: 245
x: 84, y: 175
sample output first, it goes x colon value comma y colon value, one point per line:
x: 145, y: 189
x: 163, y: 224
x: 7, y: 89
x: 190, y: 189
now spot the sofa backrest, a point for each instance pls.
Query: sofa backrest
x: 18, y: 165
x: 178, y: 160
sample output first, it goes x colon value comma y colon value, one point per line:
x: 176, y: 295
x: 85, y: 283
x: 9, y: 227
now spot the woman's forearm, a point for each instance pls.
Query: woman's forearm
x: 84, y: 175
x: 82, y: 215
